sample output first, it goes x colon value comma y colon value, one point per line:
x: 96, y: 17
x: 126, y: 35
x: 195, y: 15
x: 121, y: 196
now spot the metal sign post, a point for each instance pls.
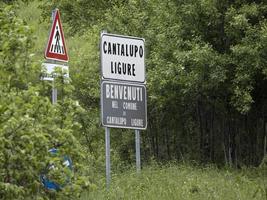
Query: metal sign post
x: 123, y: 89
x: 107, y: 141
x: 54, y: 93
x: 137, y: 151
x: 54, y: 90
x: 56, y: 57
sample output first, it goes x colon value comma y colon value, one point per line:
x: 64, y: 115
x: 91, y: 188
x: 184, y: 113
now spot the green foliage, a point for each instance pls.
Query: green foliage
x: 29, y: 124
x: 206, y: 82
x: 205, y: 68
x: 15, y: 43
x: 184, y: 182
x: 80, y: 15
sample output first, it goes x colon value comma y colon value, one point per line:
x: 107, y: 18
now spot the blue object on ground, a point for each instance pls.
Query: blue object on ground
x: 51, y: 185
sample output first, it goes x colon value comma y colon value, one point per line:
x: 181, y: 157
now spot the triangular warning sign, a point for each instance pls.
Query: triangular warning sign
x: 56, y: 48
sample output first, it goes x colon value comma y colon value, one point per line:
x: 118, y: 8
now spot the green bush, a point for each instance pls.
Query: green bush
x: 29, y: 124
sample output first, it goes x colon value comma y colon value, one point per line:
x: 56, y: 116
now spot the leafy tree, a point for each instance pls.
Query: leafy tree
x: 206, y: 75
x: 29, y: 124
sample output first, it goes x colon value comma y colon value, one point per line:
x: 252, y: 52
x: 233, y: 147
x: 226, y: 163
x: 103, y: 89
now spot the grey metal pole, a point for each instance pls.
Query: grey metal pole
x: 54, y: 94
x: 107, y: 141
x: 54, y: 90
x: 137, y: 151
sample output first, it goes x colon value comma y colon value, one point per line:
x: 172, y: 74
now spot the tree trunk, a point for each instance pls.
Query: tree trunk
x: 200, y: 130
x: 168, y: 144
x: 265, y: 141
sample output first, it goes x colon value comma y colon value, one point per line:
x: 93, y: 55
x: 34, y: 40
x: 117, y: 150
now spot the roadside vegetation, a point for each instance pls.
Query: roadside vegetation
x: 180, y: 181
x: 206, y: 69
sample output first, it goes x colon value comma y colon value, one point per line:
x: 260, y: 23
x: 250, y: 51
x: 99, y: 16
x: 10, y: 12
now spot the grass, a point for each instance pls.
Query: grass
x: 31, y: 14
x: 184, y: 182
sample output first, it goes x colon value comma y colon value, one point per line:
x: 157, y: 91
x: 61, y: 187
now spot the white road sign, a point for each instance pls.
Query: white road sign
x: 122, y: 57
x: 48, y: 69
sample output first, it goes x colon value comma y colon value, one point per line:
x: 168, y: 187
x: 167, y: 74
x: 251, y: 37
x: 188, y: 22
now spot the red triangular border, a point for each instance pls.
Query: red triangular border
x: 56, y: 56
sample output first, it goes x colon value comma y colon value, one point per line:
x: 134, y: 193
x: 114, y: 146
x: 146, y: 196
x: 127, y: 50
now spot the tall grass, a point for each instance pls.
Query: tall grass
x: 184, y: 182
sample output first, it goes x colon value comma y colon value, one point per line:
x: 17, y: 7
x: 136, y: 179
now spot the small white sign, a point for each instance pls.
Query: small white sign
x: 122, y: 57
x: 48, y: 71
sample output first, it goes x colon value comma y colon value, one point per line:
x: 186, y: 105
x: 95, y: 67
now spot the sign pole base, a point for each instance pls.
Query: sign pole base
x: 107, y: 141
x: 54, y: 94
x: 137, y: 151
